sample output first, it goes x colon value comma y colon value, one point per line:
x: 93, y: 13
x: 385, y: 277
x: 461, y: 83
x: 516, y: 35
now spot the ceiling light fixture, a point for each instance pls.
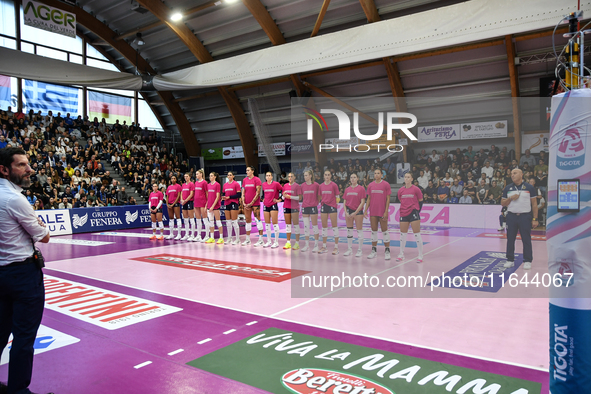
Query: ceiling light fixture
x: 175, y: 17
x: 138, y: 40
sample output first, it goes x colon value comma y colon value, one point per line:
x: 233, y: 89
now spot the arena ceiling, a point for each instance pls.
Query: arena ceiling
x: 506, y: 66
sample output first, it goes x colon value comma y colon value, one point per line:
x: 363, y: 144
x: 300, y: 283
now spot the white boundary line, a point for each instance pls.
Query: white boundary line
x: 143, y: 364
x: 176, y: 352
x: 272, y: 316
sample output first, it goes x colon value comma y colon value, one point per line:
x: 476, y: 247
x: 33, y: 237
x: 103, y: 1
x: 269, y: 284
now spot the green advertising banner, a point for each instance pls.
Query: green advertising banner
x: 281, y: 361
x: 213, y: 153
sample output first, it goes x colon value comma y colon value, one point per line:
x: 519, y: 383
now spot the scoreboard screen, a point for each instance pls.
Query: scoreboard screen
x: 569, y: 195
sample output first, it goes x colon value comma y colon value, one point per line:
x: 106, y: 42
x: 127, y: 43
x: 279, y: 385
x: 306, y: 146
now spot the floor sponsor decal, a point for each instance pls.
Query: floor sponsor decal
x: 103, y: 308
x: 272, y: 274
x: 503, y: 235
x: 482, y: 272
x: 47, y: 339
x: 282, y: 361
x: 80, y: 242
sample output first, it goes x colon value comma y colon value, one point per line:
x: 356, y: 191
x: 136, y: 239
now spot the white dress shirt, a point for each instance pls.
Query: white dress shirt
x: 18, y: 225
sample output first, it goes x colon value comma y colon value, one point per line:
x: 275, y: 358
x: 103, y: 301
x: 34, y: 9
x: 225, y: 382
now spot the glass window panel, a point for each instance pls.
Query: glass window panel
x: 52, y: 53
x: 146, y: 117
x: 7, y: 27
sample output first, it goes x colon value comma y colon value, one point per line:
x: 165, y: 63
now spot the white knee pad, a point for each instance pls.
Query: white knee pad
x: 386, y: 235
x: 218, y: 223
x: 259, y: 225
x: 417, y: 235
x: 335, y: 231
x: 276, y: 227
x: 315, y: 230
x: 179, y: 223
x: 296, y: 229
x: 269, y: 228
x: 160, y: 225
x: 206, y: 224
x: 210, y: 216
x: 324, y: 232
x: 374, y: 236
x: 248, y: 226
x: 154, y: 225
x: 288, y: 228
x: 350, y: 232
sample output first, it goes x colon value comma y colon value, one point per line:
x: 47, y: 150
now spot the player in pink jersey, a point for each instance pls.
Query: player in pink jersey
x: 187, y: 193
x: 232, y: 193
x: 310, y: 200
x: 214, y: 192
x: 272, y: 192
x: 354, y: 201
x: 251, y: 193
x: 199, y: 202
x: 291, y: 211
x: 377, y: 206
x: 173, y: 196
x: 411, y: 202
x: 329, y: 192
x: 155, y: 201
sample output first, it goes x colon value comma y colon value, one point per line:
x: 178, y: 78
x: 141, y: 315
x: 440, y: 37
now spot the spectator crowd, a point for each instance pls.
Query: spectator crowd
x: 66, y: 154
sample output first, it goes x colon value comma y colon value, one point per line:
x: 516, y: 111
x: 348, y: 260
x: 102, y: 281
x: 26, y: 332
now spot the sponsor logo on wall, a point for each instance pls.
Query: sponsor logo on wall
x: 57, y: 221
x: 253, y: 271
x: 571, y: 150
x: 100, y: 307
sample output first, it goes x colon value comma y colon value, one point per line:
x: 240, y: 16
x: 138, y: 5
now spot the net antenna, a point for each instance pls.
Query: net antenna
x: 262, y: 134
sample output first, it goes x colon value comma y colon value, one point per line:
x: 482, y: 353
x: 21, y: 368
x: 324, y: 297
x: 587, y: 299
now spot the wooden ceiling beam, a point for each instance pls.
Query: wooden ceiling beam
x: 514, y: 77
x: 198, y: 49
x: 151, y: 26
x: 320, y: 18
x: 371, y: 11
x: 260, y: 13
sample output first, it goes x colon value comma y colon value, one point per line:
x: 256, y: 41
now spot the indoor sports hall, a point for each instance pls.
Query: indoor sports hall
x: 225, y: 218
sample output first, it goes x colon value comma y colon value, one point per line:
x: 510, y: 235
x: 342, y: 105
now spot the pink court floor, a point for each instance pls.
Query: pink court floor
x: 126, y: 314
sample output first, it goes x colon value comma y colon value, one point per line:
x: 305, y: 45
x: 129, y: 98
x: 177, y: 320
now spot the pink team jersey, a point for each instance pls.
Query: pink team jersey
x: 200, y: 197
x: 329, y: 194
x: 378, y: 193
x: 212, y: 190
x: 409, y: 199
x: 155, y: 198
x: 250, y: 189
x: 186, y: 191
x: 172, y: 193
x: 310, y: 193
x: 271, y: 191
x: 231, y: 189
x: 294, y: 190
x: 353, y: 196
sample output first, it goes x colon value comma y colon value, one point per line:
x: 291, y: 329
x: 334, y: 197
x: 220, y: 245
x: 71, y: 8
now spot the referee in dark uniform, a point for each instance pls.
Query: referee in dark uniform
x: 22, y: 294
x: 520, y: 198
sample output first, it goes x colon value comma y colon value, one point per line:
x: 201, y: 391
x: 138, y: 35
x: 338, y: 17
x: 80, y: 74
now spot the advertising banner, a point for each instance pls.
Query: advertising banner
x: 213, y: 153
x: 50, y: 19
x: 401, y: 169
x: 535, y: 142
x: 569, y: 249
x: 57, y: 220
x: 493, y: 129
x: 300, y: 148
x: 292, y: 362
x: 86, y: 220
x: 233, y: 152
x: 448, y: 132
x: 278, y: 149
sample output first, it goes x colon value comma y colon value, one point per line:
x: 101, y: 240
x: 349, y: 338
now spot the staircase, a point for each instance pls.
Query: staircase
x: 108, y: 167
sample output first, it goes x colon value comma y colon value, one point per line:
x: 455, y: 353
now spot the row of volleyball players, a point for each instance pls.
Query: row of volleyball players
x: 310, y: 194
